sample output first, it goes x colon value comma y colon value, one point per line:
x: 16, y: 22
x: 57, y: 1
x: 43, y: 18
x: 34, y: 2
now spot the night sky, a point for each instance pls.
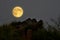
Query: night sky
x: 38, y: 9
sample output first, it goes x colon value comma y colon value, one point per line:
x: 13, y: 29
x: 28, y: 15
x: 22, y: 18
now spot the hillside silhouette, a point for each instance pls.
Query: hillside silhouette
x: 30, y: 29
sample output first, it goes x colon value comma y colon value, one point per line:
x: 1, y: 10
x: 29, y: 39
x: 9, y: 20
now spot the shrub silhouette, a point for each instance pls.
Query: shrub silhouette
x: 29, y: 29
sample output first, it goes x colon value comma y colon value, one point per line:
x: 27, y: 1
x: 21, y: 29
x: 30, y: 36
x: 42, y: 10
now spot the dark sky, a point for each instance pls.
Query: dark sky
x: 39, y: 9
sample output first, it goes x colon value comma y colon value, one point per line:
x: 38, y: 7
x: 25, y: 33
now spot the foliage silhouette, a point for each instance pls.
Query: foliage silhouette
x: 19, y: 31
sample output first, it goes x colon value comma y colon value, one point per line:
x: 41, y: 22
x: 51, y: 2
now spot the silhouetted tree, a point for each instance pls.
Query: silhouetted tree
x: 21, y: 30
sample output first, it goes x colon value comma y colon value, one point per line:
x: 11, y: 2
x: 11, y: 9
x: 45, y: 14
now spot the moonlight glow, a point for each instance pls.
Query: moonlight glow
x: 17, y: 11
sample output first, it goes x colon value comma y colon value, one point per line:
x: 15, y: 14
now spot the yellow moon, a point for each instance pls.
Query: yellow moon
x: 17, y: 11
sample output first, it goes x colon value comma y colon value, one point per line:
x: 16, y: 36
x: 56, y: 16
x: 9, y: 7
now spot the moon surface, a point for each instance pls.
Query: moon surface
x: 17, y: 11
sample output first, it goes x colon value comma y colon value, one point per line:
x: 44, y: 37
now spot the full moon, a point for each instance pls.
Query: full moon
x: 17, y: 11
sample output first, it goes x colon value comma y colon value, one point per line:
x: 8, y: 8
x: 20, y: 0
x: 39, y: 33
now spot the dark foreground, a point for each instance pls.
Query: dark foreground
x: 29, y: 29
